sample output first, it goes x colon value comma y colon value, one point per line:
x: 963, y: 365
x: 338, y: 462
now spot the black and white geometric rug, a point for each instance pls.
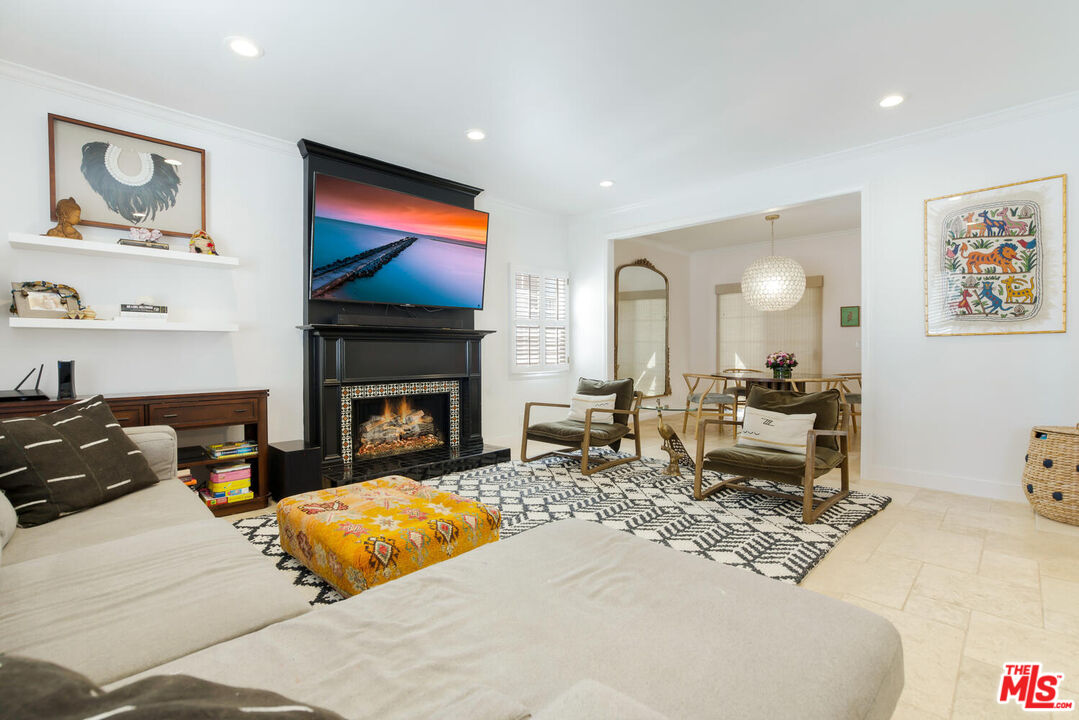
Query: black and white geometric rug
x: 755, y: 532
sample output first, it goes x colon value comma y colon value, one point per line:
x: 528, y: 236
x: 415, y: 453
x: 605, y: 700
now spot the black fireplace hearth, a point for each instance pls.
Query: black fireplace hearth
x: 394, y: 400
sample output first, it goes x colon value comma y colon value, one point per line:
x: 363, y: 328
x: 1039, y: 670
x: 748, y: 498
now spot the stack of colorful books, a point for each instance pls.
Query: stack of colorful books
x: 187, y: 478
x: 243, y: 448
x: 228, y: 484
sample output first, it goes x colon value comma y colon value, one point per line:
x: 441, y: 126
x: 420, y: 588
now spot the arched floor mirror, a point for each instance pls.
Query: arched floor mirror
x: 642, y: 327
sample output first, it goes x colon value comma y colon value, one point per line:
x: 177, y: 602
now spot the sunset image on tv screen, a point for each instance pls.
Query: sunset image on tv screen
x: 370, y: 244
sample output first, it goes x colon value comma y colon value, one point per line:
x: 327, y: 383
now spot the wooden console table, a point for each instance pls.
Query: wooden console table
x: 187, y: 411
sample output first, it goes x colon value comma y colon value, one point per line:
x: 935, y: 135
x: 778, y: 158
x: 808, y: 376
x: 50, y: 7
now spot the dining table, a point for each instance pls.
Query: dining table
x: 744, y: 381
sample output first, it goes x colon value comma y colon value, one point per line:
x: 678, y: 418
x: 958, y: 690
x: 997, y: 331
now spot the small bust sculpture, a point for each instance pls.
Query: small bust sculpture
x: 69, y: 214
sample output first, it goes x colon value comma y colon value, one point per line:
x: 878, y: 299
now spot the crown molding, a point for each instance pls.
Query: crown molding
x: 108, y: 98
x: 657, y: 244
x: 1017, y: 113
x: 815, y: 237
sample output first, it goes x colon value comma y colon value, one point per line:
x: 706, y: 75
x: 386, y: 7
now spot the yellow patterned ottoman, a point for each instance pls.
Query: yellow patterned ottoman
x: 361, y: 535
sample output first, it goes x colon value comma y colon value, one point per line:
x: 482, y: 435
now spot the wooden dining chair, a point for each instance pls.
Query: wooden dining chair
x: 852, y: 391
x: 737, y: 386
x: 706, y: 394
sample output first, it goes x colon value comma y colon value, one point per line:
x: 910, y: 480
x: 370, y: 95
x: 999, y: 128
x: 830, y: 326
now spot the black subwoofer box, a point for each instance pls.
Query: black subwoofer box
x: 295, y: 467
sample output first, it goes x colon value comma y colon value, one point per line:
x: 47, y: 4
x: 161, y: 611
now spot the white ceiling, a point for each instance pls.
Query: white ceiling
x: 842, y: 212
x: 654, y: 95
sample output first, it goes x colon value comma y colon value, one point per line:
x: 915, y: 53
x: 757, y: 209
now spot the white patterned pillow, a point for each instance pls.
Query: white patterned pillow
x: 775, y: 430
x: 579, y: 403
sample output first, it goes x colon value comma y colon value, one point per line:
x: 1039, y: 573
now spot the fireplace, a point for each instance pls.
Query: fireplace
x: 361, y: 351
x: 402, y: 424
x: 357, y: 374
x: 382, y: 420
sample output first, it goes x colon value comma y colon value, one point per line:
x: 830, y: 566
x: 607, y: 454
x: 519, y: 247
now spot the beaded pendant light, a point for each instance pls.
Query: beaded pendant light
x: 773, y: 283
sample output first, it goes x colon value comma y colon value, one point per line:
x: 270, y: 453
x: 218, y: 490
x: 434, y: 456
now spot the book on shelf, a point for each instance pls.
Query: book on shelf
x: 186, y: 477
x: 234, y: 449
x: 231, y: 472
x: 230, y: 493
x: 214, y: 500
x: 142, y: 311
x: 229, y: 487
x: 152, y: 244
x: 225, y: 469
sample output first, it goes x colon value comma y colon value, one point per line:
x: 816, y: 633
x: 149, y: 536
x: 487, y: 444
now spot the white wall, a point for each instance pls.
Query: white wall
x: 836, y: 256
x: 949, y: 413
x: 255, y: 212
x: 532, y: 240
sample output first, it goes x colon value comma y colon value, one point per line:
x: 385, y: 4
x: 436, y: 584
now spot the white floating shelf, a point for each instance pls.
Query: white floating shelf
x: 121, y: 324
x: 27, y: 241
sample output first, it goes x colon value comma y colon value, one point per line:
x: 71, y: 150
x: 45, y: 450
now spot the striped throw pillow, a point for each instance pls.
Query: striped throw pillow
x: 65, y: 461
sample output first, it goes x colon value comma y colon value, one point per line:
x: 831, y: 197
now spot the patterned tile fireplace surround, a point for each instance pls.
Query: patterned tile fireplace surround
x: 452, y: 388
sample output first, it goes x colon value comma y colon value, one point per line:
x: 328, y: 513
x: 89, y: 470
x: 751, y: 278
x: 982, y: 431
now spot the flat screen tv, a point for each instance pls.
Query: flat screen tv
x: 373, y: 245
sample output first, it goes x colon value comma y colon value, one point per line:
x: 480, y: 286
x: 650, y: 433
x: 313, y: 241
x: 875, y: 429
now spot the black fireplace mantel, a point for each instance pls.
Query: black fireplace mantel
x: 341, y: 355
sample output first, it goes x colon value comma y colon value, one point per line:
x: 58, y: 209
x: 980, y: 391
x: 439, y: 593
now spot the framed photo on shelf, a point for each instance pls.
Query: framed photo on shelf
x: 123, y: 180
x: 44, y: 300
x: 995, y: 260
x: 850, y: 316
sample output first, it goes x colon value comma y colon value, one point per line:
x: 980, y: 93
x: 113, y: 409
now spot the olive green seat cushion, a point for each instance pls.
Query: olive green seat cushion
x: 572, y: 432
x: 603, y: 433
x: 854, y: 398
x: 776, y: 465
x: 765, y: 464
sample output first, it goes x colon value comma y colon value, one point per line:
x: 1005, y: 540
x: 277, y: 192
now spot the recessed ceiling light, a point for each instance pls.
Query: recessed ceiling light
x: 475, y: 134
x: 606, y: 183
x: 173, y: 161
x: 243, y: 47
x: 891, y: 101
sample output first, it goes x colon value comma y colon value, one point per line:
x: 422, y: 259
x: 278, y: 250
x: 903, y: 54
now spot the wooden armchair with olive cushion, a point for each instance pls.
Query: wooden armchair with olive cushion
x: 826, y: 449
x: 608, y: 428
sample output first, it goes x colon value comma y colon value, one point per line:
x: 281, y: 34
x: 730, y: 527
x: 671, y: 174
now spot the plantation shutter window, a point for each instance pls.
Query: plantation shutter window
x: 540, y: 318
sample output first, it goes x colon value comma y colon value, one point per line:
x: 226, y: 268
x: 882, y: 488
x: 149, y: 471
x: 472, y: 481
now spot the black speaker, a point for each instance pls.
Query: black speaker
x: 65, y: 375
x: 295, y: 467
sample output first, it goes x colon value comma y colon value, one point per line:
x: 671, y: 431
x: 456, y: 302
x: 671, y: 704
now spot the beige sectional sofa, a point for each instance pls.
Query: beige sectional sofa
x: 570, y: 619
x: 136, y: 582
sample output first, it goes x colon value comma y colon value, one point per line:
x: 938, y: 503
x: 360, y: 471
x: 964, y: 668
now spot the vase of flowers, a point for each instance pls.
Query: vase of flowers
x: 782, y: 363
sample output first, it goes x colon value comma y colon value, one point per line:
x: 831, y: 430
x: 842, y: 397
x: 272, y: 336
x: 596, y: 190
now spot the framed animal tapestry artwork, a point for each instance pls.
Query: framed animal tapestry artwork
x: 122, y: 180
x: 995, y: 260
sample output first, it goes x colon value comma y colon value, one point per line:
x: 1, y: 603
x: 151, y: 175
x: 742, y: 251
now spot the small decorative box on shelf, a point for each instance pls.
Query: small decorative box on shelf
x: 67, y: 246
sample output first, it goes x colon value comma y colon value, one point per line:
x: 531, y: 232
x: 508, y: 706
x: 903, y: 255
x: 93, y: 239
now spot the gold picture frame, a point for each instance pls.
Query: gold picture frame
x: 995, y: 260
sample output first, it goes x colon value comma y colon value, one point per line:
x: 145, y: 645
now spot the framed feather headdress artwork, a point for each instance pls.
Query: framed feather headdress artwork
x: 123, y: 180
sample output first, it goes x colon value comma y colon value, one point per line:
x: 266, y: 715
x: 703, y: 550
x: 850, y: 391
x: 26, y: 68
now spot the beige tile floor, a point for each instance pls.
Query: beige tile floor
x: 970, y: 584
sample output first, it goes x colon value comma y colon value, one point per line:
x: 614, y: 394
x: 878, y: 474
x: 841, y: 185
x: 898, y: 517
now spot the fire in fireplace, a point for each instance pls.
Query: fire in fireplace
x: 405, y: 425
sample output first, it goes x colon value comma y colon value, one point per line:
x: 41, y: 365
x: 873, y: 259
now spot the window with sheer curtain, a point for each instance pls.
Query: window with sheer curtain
x: 746, y: 336
x: 540, y: 320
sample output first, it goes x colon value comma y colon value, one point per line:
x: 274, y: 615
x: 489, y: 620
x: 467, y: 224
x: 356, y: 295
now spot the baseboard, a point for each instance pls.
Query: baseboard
x: 944, y: 483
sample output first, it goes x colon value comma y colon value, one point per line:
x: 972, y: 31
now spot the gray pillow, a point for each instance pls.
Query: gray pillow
x: 68, y: 460
x: 38, y: 689
x: 623, y: 389
x: 8, y: 520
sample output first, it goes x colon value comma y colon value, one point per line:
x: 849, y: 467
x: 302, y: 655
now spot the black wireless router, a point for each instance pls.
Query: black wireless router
x: 17, y: 394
